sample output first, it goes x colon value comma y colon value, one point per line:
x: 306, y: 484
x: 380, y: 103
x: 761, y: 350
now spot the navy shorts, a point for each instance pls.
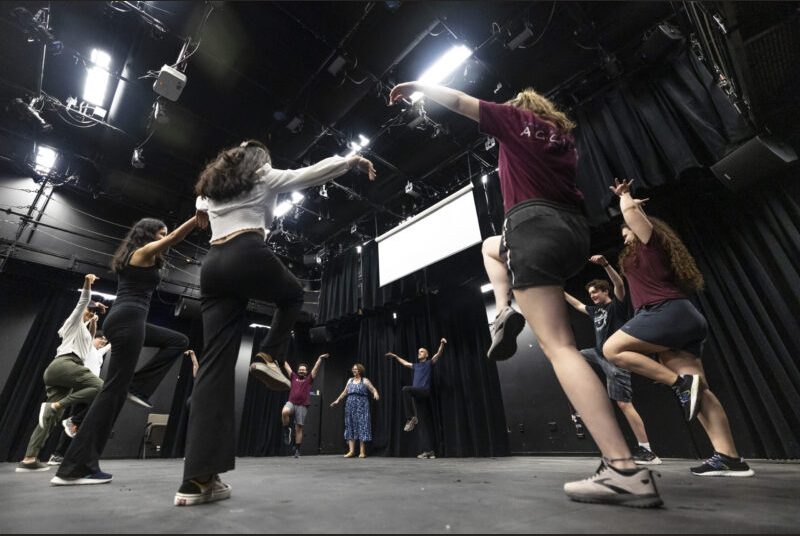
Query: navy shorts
x: 544, y: 243
x: 676, y: 324
x: 618, y: 381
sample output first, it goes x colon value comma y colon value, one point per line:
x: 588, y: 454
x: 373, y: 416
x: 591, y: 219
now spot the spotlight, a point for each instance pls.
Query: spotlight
x: 484, y: 178
x: 160, y: 113
x: 353, y: 229
x: 358, y: 250
x: 364, y: 141
x: 27, y: 112
x: 323, y: 191
x: 295, y: 125
x: 411, y: 191
x: 394, y: 316
x: 45, y: 160
x: 297, y: 197
x: 441, y: 68
x: 97, y: 77
x: 489, y: 143
x: 137, y: 159
x: 520, y: 38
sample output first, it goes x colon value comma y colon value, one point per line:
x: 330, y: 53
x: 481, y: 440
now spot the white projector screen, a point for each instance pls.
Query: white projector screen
x: 444, y: 229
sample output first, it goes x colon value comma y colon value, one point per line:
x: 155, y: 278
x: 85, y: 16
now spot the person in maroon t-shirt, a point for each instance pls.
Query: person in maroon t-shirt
x: 298, y: 402
x: 546, y: 237
x: 660, y: 272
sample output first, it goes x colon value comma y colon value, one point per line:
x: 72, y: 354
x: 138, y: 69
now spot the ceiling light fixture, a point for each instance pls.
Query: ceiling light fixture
x: 443, y: 67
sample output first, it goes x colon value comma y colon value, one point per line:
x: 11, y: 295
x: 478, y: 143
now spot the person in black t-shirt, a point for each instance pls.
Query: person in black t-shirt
x: 609, y: 312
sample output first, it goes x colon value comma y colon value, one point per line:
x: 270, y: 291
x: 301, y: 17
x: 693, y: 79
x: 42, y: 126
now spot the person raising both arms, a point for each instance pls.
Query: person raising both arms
x: 546, y: 236
x: 297, y: 405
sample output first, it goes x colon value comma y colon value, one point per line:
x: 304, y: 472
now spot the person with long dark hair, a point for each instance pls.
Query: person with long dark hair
x: 237, y: 192
x: 662, y: 274
x: 137, y: 262
x: 546, y: 236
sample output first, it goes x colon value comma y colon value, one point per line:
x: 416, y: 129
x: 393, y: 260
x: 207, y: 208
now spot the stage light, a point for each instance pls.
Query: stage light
x: 394, y: 316
x: 94, y: 90
x: 364, y: 140
x: 297, y: 197
x: 254, y: 325
x: 137, y: 159
x: 441, y: 68
x: 45, y: 160
x: 484, y: 178
x: 109, y: 297
x: 358, y: 250
x: 283, y: 208
x: 323, y: 191
x: 486, y: 288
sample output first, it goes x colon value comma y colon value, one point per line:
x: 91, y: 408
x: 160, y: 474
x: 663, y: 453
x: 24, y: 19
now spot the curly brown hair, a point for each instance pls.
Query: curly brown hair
x: 529, y: 99
x: 684, y: 268
x: 233, y: 171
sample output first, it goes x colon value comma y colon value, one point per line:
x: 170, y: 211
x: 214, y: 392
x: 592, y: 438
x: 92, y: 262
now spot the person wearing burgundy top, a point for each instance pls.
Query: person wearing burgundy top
x: 298, y: 402
x: 661, y: 272
x: 546, y: 236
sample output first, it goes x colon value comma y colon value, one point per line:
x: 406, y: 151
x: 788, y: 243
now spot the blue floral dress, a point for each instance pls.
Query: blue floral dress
x: 356, y: 412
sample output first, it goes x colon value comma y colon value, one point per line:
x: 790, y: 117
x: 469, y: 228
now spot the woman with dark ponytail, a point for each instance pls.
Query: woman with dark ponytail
x: 237, y: 191
x: 136, y: 262
x: 662, y: 274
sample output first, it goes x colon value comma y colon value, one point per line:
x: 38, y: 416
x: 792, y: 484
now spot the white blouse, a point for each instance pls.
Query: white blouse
x: 253, y: 209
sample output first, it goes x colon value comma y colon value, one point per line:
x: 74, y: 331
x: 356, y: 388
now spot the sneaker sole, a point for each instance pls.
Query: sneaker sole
x: 733, y: 474
x: 193, y: 500
x: 633, y: 501
x: 265, y: 376
x: 53, y: 463
x: 38, y: 470
x: 138, y: 401
x: 58, y: 481
x: 507, y: 346
x: 656, y: 461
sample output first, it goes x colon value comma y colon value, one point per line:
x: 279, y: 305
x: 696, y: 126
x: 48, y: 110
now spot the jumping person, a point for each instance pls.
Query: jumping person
x: 508, y: 323
x: 661, y: 272
x: 357, y: 420
x: 418, y: 391
x: 237, y: 193
x: 137, y: 262
x: 547, y: 238
x: 67, y: 379
x: 297, y: 405
x: 609, y: 312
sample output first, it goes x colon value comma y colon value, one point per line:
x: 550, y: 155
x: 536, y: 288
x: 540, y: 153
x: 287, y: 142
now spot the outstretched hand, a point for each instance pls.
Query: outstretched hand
x: 90, y: 278
x: 443, y: 341
x: 621, y: 188
x: 402, y: 91
x: 365, y: 165
x: 334, y: 403
x: 324, y: 356
x: 101, y: 307
x: 598, y: 259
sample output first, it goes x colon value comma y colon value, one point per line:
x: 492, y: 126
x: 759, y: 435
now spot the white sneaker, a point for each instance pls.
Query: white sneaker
x: 269, y: 373
x: 609, y: 486
x: 70, y: 429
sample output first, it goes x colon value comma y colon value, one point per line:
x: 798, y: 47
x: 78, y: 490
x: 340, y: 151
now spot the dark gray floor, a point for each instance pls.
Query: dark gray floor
x: 330, y: 494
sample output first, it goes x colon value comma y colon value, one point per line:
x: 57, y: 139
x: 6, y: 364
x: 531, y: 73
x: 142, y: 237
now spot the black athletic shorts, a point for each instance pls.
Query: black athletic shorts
x: 676, y: 324
x: 544, y: 243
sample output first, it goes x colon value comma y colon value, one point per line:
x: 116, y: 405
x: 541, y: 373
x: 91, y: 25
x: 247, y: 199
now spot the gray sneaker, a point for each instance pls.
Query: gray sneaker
x: 269, y: 373
x: 32, y: 467
x: 508, y: 324
x: 609, y: 486
x: 412, y: 422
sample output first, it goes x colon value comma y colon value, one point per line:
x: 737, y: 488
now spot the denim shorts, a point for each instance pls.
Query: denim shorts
x: 544, y: 243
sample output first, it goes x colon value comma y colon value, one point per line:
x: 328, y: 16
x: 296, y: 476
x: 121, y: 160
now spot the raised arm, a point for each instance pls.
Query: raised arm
x: 616, y: 279
x: 318, y: 364
x: 288, y: 368
x: 632, y: 211
x: 76, y: 316
x: 286, y: 180
x: 439, y: 352
x: 576, y: 303
x: 372, y: 389
x: 400, y: 360
x: 452, y: 99
x: 145, y: 254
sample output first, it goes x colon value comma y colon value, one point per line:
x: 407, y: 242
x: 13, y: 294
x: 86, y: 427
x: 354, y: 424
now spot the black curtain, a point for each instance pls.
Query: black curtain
x: 339, y: 296
x: 467, y: 405
x: 24, y: 390
x: 748, y: 248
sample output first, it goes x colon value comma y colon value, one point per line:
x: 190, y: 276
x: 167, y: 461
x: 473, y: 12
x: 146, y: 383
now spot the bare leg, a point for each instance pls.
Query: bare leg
x: 711, y: 415
x: 496, y: 270
x: 298, y: 434
x: 545, y: 310
x: 352, y: 444
x: 634, y: 420
x: 627, y: 352
x: 363, y: 451
x: 285, y: 416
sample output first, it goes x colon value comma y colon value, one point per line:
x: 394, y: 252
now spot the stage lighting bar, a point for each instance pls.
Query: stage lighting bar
x: 94, y: 90
x: 109, y: 297
x: 443, y: 67
x: 254, y: 325
x: 45, y: 160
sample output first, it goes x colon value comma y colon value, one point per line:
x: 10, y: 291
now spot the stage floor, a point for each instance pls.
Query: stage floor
x: 331, y: 494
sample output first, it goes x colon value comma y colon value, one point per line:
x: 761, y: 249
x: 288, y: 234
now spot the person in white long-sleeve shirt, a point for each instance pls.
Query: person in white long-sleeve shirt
x: 67, y: 379
x: 237, y: 193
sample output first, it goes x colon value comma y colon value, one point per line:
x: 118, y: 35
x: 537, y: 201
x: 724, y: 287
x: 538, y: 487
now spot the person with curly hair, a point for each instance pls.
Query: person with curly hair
x: 357, y: 420
x: 661, y: 274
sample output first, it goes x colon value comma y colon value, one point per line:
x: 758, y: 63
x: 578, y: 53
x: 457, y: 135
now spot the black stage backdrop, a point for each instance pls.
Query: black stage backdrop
x: 468, y: 414
x: 24, y: 390
x: 340, y: 296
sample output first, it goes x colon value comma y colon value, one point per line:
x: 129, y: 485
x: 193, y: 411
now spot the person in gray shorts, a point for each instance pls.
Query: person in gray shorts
x: 609, y: 312
x: 298, y: 402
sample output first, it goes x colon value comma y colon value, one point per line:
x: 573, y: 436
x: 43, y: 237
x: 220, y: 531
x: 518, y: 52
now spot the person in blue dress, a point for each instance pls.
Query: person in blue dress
x: 357, y: 425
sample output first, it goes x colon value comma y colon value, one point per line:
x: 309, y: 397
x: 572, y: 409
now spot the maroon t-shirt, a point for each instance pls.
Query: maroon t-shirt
x: 300, y: 390
x: 650, y: 275
x: 536, y: 160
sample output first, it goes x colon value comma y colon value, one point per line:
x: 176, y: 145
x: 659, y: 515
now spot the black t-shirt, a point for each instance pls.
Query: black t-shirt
x: 607, y: 318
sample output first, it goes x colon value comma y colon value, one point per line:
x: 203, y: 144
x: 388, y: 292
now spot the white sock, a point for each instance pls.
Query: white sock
x: 645, y: 445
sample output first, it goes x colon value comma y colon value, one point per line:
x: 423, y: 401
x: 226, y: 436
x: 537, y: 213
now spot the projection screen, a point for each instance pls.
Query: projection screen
x: 444, y: 229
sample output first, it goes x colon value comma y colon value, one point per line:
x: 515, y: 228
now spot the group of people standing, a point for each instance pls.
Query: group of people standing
x: 545, y: 241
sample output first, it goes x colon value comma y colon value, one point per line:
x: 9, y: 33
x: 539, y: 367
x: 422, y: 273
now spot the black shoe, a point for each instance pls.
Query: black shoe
x: 95, y: 478
x: 688, y: 392
x: 506, y: 327
x: 643, y: 456
x: 139, y: 399
x: 287, y: 435
x: 721, y: 465
x: 194, y: 492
